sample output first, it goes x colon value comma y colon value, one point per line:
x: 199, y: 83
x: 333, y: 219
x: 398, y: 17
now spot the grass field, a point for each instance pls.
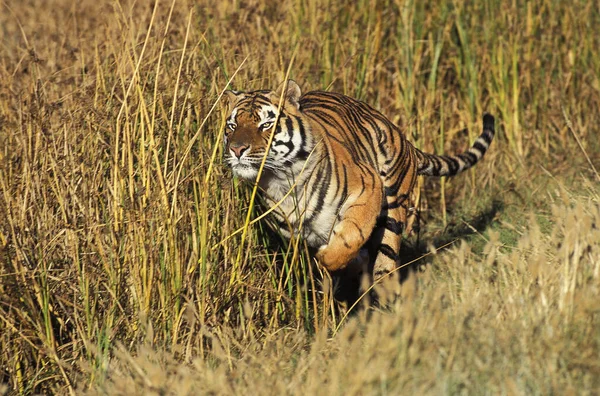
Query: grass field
x: 124, y: 268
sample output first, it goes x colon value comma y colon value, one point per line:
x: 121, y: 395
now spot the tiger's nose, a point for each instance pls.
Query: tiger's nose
x: 239, y: 149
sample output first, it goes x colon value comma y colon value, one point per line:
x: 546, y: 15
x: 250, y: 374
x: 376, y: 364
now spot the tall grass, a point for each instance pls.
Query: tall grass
x: 119, y: 225
x: 523, y: 321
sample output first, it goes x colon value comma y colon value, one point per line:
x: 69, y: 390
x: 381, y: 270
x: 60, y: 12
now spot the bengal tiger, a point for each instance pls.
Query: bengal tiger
x: 349, y: 169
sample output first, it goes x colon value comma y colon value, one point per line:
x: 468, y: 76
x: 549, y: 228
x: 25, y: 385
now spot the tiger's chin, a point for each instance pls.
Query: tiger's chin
x: 247, y: 172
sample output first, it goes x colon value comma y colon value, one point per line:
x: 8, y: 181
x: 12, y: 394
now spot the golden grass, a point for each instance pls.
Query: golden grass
x: 120, y: 267
x: 521, y: 321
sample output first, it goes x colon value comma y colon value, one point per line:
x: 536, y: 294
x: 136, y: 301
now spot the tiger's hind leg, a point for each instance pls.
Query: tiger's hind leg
x: 387, y: 236
x: 385, y: 243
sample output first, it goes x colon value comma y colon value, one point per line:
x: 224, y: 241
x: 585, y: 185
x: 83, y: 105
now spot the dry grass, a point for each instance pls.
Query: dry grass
x: 121, y: 269
x: 523, y: 321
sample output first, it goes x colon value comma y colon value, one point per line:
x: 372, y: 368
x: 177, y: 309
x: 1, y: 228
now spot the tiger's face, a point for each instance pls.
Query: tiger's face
x: 251, y: 119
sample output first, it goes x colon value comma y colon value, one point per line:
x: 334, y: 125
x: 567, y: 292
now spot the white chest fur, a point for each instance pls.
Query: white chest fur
x: 298, y: 210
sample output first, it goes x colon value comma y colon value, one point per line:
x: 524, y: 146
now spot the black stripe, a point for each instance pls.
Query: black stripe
x: 452, y: 164
x: 392, y: 190
x: 394, y: 225
x: 480, y: 147
x: 290, y: 127
x: 390, y: 224
x: 472, y: 157
x: 302, y: 153
x: 488, y: 122
x: 324, y: 176
x: 344, y: 194
x: 388, y: 251
x: 488, y: 136
x: 289, y: 144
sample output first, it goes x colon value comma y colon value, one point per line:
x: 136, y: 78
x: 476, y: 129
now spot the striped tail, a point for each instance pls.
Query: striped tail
x: 450, y: 165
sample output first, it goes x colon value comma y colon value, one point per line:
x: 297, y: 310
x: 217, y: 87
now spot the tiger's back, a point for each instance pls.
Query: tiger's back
x: 338, y: 171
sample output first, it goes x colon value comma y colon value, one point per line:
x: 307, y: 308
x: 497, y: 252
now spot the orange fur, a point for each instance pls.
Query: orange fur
x: 351, y: 171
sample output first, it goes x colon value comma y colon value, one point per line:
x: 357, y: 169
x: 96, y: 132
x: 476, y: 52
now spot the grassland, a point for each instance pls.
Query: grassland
x: 122, y: 267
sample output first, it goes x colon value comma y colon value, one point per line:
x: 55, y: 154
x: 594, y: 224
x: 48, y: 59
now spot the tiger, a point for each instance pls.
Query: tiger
x: 337, y: 172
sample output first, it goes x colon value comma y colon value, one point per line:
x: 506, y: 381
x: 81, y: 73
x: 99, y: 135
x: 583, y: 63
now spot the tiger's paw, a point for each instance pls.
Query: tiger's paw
x: 333, y: 258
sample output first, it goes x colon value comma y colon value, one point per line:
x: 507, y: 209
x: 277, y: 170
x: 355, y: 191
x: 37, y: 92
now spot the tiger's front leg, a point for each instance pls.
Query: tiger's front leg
x: 356, y: 221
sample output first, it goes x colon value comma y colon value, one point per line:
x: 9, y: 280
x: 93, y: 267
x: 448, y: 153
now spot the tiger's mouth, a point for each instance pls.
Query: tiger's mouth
x: 247, y: 165
x: 244, y: 170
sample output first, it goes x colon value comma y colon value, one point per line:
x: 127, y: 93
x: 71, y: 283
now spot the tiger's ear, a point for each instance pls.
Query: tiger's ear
x: 229, y: 99
x: 291, y: 96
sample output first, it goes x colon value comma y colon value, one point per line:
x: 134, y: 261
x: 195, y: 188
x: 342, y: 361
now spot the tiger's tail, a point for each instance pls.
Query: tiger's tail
x: 450, y: 165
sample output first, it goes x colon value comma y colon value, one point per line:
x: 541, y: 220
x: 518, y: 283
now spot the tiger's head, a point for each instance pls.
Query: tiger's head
x: 250, y: 119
